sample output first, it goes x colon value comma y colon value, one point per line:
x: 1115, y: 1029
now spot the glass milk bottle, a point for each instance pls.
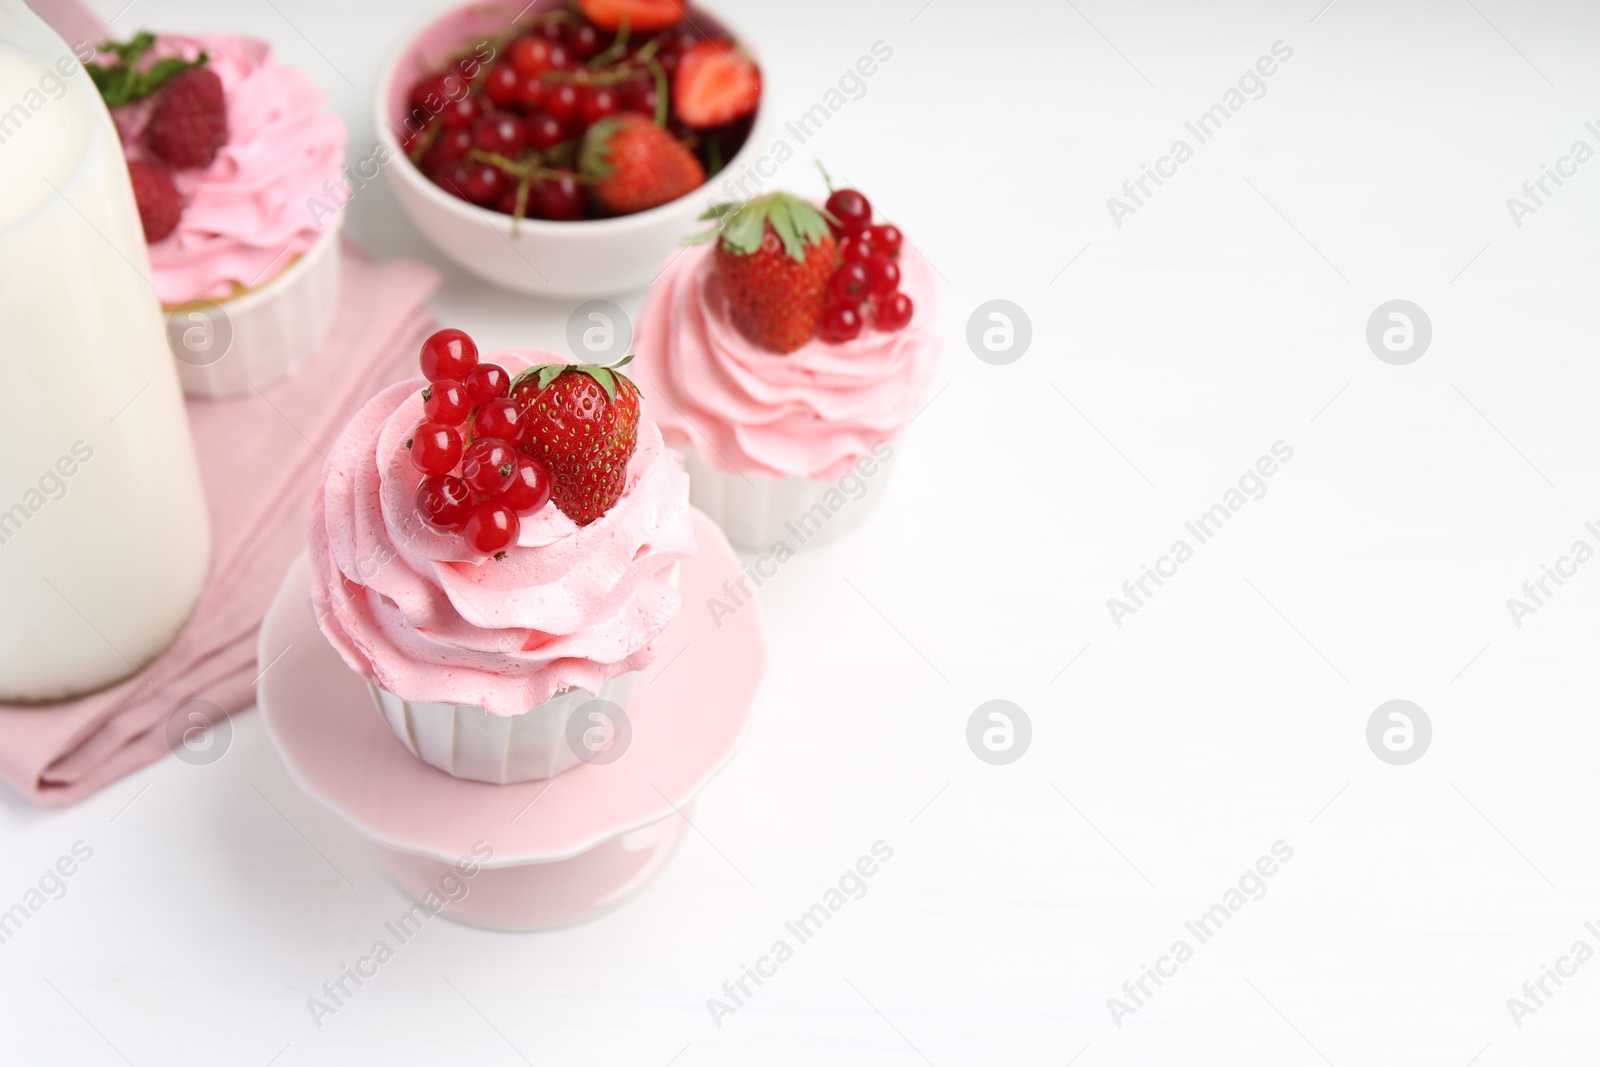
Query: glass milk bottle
x: 104, y: 537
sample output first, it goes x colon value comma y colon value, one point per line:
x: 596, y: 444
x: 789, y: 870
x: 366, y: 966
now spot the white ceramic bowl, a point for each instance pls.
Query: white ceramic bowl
x: 557, y: 259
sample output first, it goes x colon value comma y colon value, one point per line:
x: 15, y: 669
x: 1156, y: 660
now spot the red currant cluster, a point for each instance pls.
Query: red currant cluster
x: 502, y: 126
x: 866, y: 285
x: 477, y: 483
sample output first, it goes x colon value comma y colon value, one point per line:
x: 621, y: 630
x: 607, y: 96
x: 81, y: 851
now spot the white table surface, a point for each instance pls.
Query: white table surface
x: 1229, y: 713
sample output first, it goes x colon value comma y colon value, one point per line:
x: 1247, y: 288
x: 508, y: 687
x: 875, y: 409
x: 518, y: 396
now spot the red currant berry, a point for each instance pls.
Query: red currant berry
x: 435, y: 448
x: 640, y: 95
x: 484, y: 183
x: 451, y: 146
x: 549, y: 29
x: 598, y: 102
x: 446, y: 401
x: 501, y: 134
x: 560, y: 56
x: 850, y: 285
x: 488, y: 465
x: 885, y: 274
x: 449, y: 354
x: 444, y: 501
x: 856, y: 249
x: 559, y: 198
x: 491, y: 527
x: 433, y: 92
x: 500, y: 85
x: 561, y: 101
x: 530, y: 93
x: 420, y: 90
x: 582, y: 39
x: 507, y: 202
x: 886, y: 239
x: 486, y: 382
x: 529, y: 489
x: 530, y: 56
x: 500, y: 419
x: 675, y: 41
x: 452, y: 178
x: 840, y: 323
x: 544, y: 131
x: 460, y: 114
x: 851, y: 209
x: 894, y: 311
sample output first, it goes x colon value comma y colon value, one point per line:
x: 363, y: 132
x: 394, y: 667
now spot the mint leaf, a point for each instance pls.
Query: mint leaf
x: 119, y: 83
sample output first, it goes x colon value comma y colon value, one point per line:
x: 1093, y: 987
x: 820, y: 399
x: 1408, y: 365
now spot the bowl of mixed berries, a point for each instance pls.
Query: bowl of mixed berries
x: 565, y: 148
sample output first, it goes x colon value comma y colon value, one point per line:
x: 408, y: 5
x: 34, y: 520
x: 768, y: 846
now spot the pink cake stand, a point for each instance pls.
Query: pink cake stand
x: 537, y: 855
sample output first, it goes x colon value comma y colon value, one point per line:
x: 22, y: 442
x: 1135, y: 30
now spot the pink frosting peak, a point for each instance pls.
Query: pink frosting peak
x: 249, y: 214
x: 419, y: 613
x: 810, y: 413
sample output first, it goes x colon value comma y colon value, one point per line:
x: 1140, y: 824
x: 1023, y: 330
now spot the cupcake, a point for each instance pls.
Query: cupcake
x: 238, y: 178
x: 783, y: 357
x: 494, y: 547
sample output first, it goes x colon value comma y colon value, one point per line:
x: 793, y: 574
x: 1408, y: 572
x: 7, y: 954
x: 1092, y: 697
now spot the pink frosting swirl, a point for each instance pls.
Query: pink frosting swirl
x: 423, y: 616
x: 746, y: 410
x: 248, y: 215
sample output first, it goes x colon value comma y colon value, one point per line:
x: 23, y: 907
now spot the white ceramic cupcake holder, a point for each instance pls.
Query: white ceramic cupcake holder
x: 465, y: 741
x: 757, y: 512
x: 263, y: 334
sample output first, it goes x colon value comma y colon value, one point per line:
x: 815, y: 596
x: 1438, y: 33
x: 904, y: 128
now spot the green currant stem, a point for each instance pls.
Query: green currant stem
x: 425, y: 142
x: 659, y: 73
x: 618, y: 49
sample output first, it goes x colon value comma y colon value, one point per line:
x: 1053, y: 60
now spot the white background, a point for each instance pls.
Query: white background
x: 1229, y: 713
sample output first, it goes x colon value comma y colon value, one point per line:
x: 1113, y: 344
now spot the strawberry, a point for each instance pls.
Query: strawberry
x: 716, y: 82
x: 582, y: 423
x: 642, y: 16
x: 159, y: 205
x: 774, y: 258
x: 190, y: 119
x: 633, y: 164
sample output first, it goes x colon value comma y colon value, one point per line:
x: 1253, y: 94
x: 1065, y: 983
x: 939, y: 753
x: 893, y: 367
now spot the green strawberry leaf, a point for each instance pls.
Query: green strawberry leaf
x: 742, y: 231
x: 783, y: 226
x: 798, y: 223
x: 603, y: 376
x: 594, y: 158
x: 606, y: 376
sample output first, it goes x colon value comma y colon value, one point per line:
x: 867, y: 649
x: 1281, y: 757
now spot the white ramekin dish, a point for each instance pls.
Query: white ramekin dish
x: 227, y: 347
x: 465, y: 741
x: 600, y: 257
x: 757, y: 512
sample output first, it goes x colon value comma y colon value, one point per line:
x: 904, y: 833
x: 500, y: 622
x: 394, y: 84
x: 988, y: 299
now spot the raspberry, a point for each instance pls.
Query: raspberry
x: 157, y: 197
x: 190, y: 119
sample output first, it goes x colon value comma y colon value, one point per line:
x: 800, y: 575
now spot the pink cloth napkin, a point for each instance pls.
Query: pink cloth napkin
x: 260, y: 459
